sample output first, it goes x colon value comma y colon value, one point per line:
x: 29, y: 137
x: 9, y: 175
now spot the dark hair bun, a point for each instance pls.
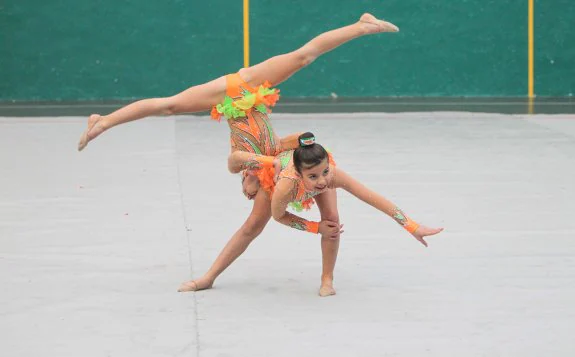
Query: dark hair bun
x: 306, y: 139
x: 309, y: 153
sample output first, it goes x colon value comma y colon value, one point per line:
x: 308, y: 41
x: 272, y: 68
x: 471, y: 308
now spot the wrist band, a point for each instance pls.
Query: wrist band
x: 410, y: 226
x: 265, y: 160
x: 312, y: 227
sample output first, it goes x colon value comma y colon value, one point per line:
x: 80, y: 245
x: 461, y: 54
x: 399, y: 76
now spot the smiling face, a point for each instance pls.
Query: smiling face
x: 318, y: 177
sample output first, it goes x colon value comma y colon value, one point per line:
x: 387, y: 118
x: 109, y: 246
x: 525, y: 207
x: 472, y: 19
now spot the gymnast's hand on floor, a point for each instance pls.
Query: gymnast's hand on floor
x: 330, y: 229
x: 423, y: 231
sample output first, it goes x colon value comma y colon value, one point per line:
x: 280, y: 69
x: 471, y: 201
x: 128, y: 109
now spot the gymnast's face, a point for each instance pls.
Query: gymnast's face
x: 250, y: 185
x: 317, y: 178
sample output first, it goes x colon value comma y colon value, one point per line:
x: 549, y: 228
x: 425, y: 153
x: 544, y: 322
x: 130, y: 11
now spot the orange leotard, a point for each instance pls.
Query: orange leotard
x: 246, y: 108
x: 303, y: 199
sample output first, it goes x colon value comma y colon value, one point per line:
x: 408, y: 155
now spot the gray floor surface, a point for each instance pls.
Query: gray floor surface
x: 93, y: 245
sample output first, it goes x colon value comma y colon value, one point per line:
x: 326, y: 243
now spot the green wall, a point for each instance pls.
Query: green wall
x: 555, y: 47
x: 104, y: 49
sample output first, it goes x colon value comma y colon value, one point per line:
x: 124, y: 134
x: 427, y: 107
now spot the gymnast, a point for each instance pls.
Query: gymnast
x: 245, y: 99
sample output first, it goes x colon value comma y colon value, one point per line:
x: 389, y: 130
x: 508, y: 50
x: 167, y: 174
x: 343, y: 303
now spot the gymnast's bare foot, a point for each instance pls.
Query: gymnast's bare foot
x: 326, y: 288
x: 95, y: 128
x: 196, y: 285
x: 370, y: 24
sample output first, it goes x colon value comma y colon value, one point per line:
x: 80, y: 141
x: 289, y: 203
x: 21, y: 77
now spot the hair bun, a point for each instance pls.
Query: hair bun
x: 306, y: 139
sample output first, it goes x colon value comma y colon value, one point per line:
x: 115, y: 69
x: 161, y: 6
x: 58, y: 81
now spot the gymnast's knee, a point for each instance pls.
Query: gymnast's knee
x: 171, y: 106
x: 302, y: 57
x: 333, y: 217
x: 232, y: 166
x: 254, y: 226
x: 305, y: 59
x: 330, y: 216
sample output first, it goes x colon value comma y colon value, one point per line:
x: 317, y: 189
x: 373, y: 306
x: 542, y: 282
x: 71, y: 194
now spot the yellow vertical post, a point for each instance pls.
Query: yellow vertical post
x: 246, y: 33
x: 531, y: 65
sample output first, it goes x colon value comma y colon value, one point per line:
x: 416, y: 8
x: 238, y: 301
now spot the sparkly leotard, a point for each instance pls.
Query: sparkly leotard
x: 246, y: 108
x: 302, y: 199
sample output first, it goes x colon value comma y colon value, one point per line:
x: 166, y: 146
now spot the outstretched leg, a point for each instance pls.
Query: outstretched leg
x: 254, y: 225
x: 202, y: 97
x: 279, y: 68
x: 195, y: 99
x: 327, y: 204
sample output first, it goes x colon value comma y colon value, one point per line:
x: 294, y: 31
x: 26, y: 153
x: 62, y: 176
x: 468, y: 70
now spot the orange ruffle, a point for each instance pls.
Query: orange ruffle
x: 271, y: 99
x: 215, y: 114
x: 259, y: 99
x: 307, y: 204
x: 330, y: 159
x: 266, y: 177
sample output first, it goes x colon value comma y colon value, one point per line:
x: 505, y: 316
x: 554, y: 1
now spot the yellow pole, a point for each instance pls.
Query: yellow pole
x: 530, y: 55
x: 247, y: 33
x: 530, y: 60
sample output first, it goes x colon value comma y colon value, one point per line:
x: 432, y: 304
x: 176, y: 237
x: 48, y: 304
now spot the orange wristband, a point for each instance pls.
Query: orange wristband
x: 410, y: 226
x: 265, y: 160
x: 313, y: 227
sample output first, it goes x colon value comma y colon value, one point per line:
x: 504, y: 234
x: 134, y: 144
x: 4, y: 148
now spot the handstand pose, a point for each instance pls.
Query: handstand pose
x: 244, y: 99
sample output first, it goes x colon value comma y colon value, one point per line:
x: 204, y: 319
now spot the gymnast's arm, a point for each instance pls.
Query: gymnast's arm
x: 243, y: 160
x: 356, y: 188
x: 284, y: 193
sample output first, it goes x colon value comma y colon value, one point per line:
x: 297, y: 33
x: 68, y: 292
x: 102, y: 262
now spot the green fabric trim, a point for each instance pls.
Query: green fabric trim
x: 297, y: 206
x: 243, y: 104
x: 271, y: 132
x: 261, y: 108
x: 285, y: 157
x: 254, y: 146
x: 227, y: 109
x: 266, y: 91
